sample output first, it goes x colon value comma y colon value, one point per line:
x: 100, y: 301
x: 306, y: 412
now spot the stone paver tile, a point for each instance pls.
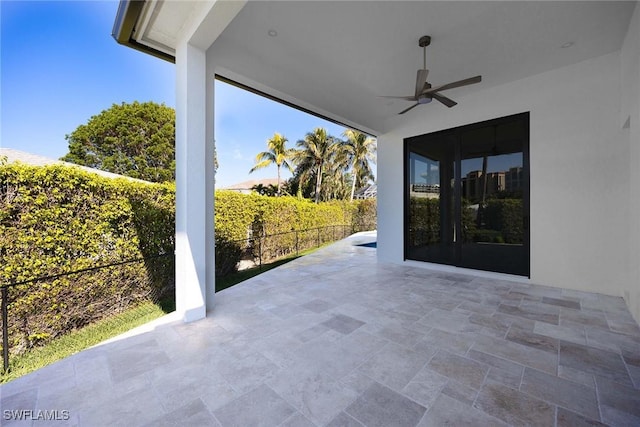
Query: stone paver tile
x: 194, y: 413
x: 138, y: 407
x: 566, y: 418
x: 316, y: 395
x: 460, y: 392
x: 476, y: 307
x: 614, y: 417
x: 575, y: 335
x: 297, y: 420
x: 520, y: 322
x: 497, y: 363
x: 594, y: 361
x: 393, y: 366
x: 560, y: 302
x: 561, y: 392
x: 318, y: 305
x: 396, y: 333
x: 611, y: 341
x: 577, y: 376
x: 343, y: 420
x: 449, y: 411
x: 532, y: 339
x: 585, y: 317
x: 634, y: 372
x: 136, y: 360
x: 491, y: 322
x: 312, y: 332
x: 439, y: 339
x: 247, y: 373
x: 466, y: 371
x: 383, y: 407
x: 632, y: 358
x: 425, y: 387
x: 259, y: 407
x: 343, y: 324
x: 513, y: 406
x: 518, y: 353
x: 507, y: 378
x: 622, y: 398
x: 182, y: 385
x: 445, y: 320
x: 624, y: 327
x: 530, y: 312
x: 286, y: 311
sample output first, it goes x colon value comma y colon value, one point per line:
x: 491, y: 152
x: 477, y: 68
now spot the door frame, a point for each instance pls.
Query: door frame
x: 456, y: 132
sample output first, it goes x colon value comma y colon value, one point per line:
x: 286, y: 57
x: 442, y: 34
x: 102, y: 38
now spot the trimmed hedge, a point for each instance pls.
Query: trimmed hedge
x: 502, y: 222
x: 289, y: 224
x: 58, y: 219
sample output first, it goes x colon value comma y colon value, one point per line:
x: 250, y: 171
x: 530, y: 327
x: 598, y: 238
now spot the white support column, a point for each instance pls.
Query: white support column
x: 195, y: 269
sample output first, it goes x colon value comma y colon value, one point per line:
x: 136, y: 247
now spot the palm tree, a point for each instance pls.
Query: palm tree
x: 361, y: 151
x: 277, y: 154
x: 315, y: 150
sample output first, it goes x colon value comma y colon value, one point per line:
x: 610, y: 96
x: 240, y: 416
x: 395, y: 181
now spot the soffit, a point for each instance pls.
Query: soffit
x: 339, y: 56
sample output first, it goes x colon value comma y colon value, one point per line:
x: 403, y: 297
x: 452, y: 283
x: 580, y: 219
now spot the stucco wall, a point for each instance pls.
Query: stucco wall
x: 630, y: 119
x: 580, y: 171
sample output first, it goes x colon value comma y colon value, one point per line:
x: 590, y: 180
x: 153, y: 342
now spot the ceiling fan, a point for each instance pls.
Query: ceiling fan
x: 424, y: 92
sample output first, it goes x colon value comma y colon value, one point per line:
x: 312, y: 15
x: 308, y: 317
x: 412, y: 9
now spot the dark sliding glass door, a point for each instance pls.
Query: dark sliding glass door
x: 467, y: 196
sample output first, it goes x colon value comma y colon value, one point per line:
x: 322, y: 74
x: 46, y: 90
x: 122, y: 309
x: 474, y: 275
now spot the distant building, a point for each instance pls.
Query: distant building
x: 472, y: 184
x: 429, y: 191
x: 368, y: 192
x: 514, y: 178
x: 246, y: 187
x: 30, y: 159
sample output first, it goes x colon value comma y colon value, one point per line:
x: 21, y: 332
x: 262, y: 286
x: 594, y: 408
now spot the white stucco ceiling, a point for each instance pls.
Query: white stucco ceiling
x: 339, y: 56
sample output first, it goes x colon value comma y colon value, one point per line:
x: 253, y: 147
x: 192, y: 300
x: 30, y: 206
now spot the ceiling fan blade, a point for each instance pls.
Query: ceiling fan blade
x: 446, y: 101
x: 406, y: 98
x: 404, y: 111
x: 421, y: 79
x: 459, y: 83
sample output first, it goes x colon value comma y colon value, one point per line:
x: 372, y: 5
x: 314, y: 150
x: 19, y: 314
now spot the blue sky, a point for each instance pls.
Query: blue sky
x: 60, y: 66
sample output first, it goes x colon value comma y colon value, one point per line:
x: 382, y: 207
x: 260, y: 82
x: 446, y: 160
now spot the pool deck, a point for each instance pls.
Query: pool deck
x: 337, y: 338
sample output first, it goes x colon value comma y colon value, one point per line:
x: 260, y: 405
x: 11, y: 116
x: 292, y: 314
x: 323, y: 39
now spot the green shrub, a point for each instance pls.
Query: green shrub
x: 57, y: 219
x: 505, y: 215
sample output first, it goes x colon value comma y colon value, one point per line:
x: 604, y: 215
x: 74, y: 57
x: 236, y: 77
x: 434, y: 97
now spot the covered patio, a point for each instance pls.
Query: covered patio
x: 340, y: 338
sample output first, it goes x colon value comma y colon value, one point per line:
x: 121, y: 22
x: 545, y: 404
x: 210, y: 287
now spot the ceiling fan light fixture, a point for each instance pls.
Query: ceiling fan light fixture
x: 424, y: 100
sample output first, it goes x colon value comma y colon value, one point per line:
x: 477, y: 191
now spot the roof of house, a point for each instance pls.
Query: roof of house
x: 248, y: 185
x: 31, y: 159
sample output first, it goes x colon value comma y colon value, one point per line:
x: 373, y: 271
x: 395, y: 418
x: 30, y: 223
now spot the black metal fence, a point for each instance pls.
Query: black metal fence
x: 265, y: 248
x: 253, y: 251
x: 4, y: 293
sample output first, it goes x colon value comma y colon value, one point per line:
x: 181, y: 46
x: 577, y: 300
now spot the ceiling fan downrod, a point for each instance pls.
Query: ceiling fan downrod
x: 423, y: 43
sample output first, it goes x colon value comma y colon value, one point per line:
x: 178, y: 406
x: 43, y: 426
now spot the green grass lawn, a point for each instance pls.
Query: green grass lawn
x: 86, y: 337
x: 93, y: 334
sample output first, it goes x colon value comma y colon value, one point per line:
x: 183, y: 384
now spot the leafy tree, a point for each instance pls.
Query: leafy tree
x: 265, y: 190
x: 361, y: 152
x: 136, y: 140
x: 277, y: 154
x: 315, y: 150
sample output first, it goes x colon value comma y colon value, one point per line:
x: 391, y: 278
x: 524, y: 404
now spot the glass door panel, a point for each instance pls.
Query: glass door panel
x: 431, y: 228
x: 492, y: 185
x: 468, y: 196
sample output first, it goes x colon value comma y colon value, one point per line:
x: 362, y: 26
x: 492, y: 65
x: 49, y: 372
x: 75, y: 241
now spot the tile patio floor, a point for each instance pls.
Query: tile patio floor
x: 337, y: 339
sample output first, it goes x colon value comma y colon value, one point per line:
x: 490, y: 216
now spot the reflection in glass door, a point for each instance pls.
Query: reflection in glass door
x: 467, y: 196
